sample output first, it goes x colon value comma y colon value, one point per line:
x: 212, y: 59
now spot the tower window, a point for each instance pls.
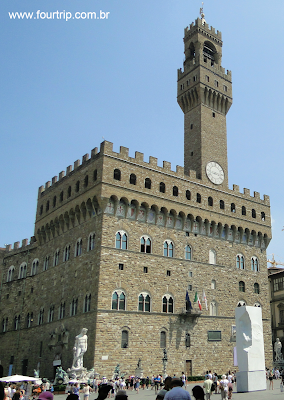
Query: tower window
x: 175, y: 191
x: 162, y: 187
x: 120, y: 267
x: 195, y: 78
x: 77, y: 187
x: 242, y: 286
x: 187, y: 340
x: 191, y: 126
x: 253, y: 213
x: 163, y: 340
x: 213, y: 115
x: 222, y: 205
x: 69, y: 191
x: 124, y: 339
x: 95, y: 174
x: 132, y: 179
x: 47, y: 206
x: 187, y: 82
x: 145, y: 270
x: 191, y: 153
x: 188, y: 195
x: 207, y: 78
x: 233, y: 208
x: 216, y: 83
x: 198, y: 198
x: 168, y: 272
x: 225, y: 88
x: 256, y: 288
x: 148, y: 183
x: 210, y: 201
x: 244, y: 211
x: 117, y: 175
x: 86, y: 180
x: 41, y: 210
x: 61, y: 197
x: 54, y: 201
x: 262, y: 216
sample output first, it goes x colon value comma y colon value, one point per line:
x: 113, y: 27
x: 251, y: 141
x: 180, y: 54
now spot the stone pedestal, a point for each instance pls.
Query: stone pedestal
x: 250, y: 381
x: 139, y: 372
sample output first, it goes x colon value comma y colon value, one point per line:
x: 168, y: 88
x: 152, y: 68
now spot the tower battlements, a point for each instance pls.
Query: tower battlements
x: 204, y: 29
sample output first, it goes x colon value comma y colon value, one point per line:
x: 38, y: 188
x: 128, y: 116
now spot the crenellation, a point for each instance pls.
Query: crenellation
x: 139, y: 157
x: 76, y: 164
x: 16, y: 245
x: 180, y: 171
x: 94, y: 152
x: 212, y: 30
x: 8, y: 247
x: 153, y: 161
x: 85, y: 158
x: 68, y: 169
x: 124, y: 151
x: 192, y: 173
x: 40, y: 190
x: 256, y: 195
x: 167, y: 166
x: 25, y: 242
x: 54, y: 179
x: 61, y: 175
x: 247, y: 192
x: 106, y: 147
x: 266, y: 199
x: 236, y: 188
x: 47, y: 185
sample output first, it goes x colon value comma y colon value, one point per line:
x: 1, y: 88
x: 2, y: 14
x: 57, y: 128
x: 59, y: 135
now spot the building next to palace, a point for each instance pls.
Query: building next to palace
x: 119, y: 242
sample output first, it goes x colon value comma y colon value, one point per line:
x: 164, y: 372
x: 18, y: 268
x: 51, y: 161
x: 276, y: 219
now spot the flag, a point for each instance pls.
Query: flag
x: 188, y: 302
x: 195, y: 297
x: 196, y: 300
x: 199, y: 304
x: 204, y: 299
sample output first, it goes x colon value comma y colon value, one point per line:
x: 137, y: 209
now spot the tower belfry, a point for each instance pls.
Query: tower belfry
x: 204, y: 94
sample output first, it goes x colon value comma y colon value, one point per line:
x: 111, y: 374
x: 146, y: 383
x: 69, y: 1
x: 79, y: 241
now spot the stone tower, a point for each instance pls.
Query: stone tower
x: 205, y: 96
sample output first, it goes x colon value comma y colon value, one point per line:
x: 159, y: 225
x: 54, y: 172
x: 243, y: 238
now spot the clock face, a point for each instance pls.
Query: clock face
x: 215, y: 172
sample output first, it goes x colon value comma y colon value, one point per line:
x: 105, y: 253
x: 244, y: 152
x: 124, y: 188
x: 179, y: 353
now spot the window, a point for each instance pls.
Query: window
x: 121, y: 240
x: 191, y: 126
x: 162, y: 187
x: 188, y: 195
x: 17, y: 321
x: 262, y: 216
x: 198, y: 198
x: 10, y: 274
x: 124, y: 339
x: 168, y: 304
x: 214, y: 336
x: 54, y: 201
x: 278, y: 284
x: 168, y: 248
x: 212, y: 256
x: 145, y: 244
x: 30, y: 319
x: 195, y: 78
x: 50, y: 314
x: 69, y: 191
x: 216, y: 83
x: 187, y: 340
x: 23, y: 271
x: 40, y: 316
x: 46, y: 263
x: 163, y: 339
x: 144, y: 303
x: 253, y: 213
x: 187, y: 252
x: 91, y: 241
x: 5, y: 325
x: 41, y: 210
x: 132, y: 179
x: 175, y: 191
x: 87, y: 303
x: 117, y: 175
x: 78, y: 247
x: 233, y: 208
x: 206, y: 78
x: 210, y: 201
x: 66, y: 253
x: 120, y: 267
x: 34, y: 267
x: 225, y: 88
x: 213, y: 308
x: 254, y: 264
x: 73, y: 307
x: 213, y: 284
x: 47, y: 206
x: 61, y: 196
x: 168, y: 272
x: 86, y: 181
x: 242, y: 286
x: 213, y: 115
x: 61, y: 311
x: 95, y: 176
x: 145, y: 269
x: 222, y: 205
x: 77, y: 186
x: 256, y: 288
x: 244, y: 211
x: 240, y: 260
x: 118, y: 300
x: 56, y: 258
x: 148, y: 183
x: 189, y: 288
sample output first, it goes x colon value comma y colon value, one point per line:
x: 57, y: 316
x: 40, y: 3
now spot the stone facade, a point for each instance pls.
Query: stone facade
x: 87, y: 265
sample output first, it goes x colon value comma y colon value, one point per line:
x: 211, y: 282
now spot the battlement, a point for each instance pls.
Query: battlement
x: 215, y: 69
x: 198, y: 24
x: 106, y: 148
x: 21, y: 245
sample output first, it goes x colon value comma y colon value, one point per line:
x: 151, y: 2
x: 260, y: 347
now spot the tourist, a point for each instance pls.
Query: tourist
x: 198, y: 392
x: 270, y: 377
x: 183, y: 378
x: 224, y: 387
x: 177, y: 393
x: 208, y: 387
x: 168, y: 383
x: 230, y: 390
x: 137, y: 384
x: 95, y: 385
x: 76, y: 389
x: 157, y: 382
x: 161, y: 394
x: 216, y: 382
x: 86, y: 391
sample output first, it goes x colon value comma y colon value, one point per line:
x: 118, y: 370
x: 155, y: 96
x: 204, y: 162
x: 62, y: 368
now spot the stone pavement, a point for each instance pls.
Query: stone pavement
x: 274, y: 394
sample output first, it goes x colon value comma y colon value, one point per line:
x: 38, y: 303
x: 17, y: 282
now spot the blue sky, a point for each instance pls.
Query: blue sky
x: 66, y: 85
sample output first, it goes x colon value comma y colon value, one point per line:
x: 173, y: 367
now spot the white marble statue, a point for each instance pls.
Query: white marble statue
x: 79, y: 349
x: 278, y: 350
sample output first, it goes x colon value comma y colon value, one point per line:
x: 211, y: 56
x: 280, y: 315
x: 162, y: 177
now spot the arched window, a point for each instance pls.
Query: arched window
x: 188, y: 252
x: 162, y: 187
x: 212, y: 256
x: 254, y: 264
x: 62, y: 310
x: 47, y: 206
x: 91, y: 241
x: 253, y: 213
x: 233, y: 208
x: 163, y: 340
x: 73, y: 307
x: 69, y: 191
x: 144, y: 303
x: 86, y: 181
x: 188, y: 195
x: 10, y: 273
x: 168, y: 248
x: 256, y: 288
x: 124, y: 339
x: 77, y: 186
x: 34, y: 267
x: 95, y: 176
x: 61, y: 196
x: 213, y: 308
x: 17, y: 321
x: 40, y: 316
x: 168, y: 304
x: 50, y: 314
x: 240, y: 261
x: 175, y: 191
x: 213, y: 284
x: 23, y: 271
x: 244, y: 211
x: 117, y: 174
x: 148, y: 183
x: 187, y: 340
x: 145, y: 244
x: 5, y: 324
x: 242, y: 287
x: 87, y: 303
x: 210, y: 201
x: 78, y: 247
x: 118, y: 300
x: 30, y: 318
x: 222, y: 205
x: 41, y: 210
x: 54, y: 201
x: 46, y: 263
x: 132, y: 179
x: 198, y: 198
x: 56, y: 258
x: 66, y: 253
x: 262, y: 216
x: 121, y: 240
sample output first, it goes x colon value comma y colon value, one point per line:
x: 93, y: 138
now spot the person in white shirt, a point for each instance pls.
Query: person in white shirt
x: 224, y: 387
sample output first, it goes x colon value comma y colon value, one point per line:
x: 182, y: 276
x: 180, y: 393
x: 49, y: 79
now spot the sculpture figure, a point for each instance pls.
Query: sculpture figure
x: 278, y: 350
x: 79, y: 349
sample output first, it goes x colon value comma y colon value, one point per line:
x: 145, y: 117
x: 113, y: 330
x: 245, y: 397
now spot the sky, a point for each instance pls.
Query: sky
x: 68, y: 84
